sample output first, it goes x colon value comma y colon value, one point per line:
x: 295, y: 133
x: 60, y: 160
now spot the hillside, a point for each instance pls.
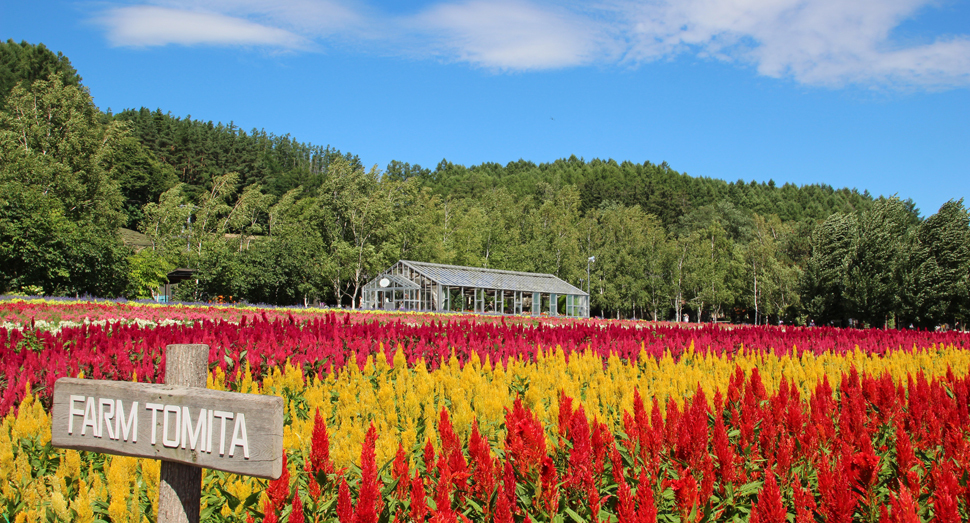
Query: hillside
x: 187, y: 193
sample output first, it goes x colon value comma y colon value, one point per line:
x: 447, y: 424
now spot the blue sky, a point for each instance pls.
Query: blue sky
x: 870, y: 94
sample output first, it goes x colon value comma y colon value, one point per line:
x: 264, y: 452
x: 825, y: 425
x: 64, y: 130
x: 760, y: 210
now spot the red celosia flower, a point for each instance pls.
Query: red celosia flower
x: 646, y: 506
x: 369, y: 501
x: 550, y: 486
x: 503, y: 513
x: 904, y: 508
x: 345, y: 511
x: 401, y: 473
x: 279, y: 489
x: 685, y: 492
x: 804, y: 505
x: 707, y: 480
x: 419, y: 507
x: 449, y: 440
x: 442, y: 495
x: 313, y: 489
x: 508, y: 486
x: 600, y: 440
x: 671, y: 424
x: 947, y: 490
x: 639, y: 412
x: 525, y: 440
x: 945, y: 507
x: 770, y: 508
x: 754, y: 515
x: 865, y: 467
x: 565, y: 415
x: 616, y: 465
x: 429, y: 457
x: 480, y: 456
x: 625, y: 509
x: 905, y: 458
x: 269, y: 513
x: 319, y: 448
x: 579, y: 474
x: 723, y: 450
x: 834, y: 485
x: 296, y: 512
x: 783, y: 457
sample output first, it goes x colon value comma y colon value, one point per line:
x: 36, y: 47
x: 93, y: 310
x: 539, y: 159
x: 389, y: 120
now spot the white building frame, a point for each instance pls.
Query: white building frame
x: 420, y: 286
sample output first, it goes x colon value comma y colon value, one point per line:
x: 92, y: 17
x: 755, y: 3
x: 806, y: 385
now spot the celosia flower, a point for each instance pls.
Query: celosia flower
x: 804, y: 505
x: 279, y: 489
x: 483, y: 477
x: 269, y: 513
x: 865, y: 467
x: 723, y: 449
x: 369, y: 502
x: 296, y: 510
x: 345, y: 510
x: 685, y: 493
x: 550, y: 486
x: 419, y: 507
x: 525, y: 439
x: 834, y: 484
x: 503, y: 514
x: 646, y: 507
x: 429, y: 457
x: 625, y: 509
x: 319, y: 464
x: 770, y: 508
x: 904, y: 508
x: 401, y: 473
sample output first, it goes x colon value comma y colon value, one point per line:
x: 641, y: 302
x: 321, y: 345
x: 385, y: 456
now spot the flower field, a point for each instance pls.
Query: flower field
x: 410, y: 417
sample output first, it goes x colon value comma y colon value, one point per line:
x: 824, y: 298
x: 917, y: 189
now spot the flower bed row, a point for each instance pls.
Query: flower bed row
x: 323, y: 343
x: 18, y: 312
x: 754, y: 438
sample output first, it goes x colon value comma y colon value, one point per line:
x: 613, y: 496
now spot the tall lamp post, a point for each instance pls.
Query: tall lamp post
x: 589, y: 307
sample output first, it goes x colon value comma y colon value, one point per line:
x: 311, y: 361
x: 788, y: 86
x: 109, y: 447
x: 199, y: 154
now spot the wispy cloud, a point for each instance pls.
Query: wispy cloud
x: 142, y: 26
x: 511, y: 35
x: 826, y: 42
x: 816, y: 42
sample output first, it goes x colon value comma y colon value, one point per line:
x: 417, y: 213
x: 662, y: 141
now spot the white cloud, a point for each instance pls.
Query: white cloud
x: 823, y: 42
x: 510, y: 35
x: 310, y: 17
x: 140, y: 26
x: 817, y: 42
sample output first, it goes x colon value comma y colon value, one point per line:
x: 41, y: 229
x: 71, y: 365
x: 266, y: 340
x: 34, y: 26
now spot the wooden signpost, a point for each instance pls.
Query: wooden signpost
x: 181, y: 422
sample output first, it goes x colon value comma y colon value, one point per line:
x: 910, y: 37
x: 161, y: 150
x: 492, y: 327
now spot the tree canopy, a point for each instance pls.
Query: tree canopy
x: 265, y: 218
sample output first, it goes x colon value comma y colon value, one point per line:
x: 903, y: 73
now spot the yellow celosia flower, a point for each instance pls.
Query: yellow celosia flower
x: 120, y: 472
x: 6, y: 451
x: 82, y: 504
x: 31, y: 422
x: 59, y: 506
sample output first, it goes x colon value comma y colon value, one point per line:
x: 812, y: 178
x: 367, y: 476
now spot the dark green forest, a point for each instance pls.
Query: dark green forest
x: 265, y: 218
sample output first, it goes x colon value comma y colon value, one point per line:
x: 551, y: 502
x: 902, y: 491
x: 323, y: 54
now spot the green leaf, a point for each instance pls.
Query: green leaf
x: 576, y: 517
x: 749, y: 489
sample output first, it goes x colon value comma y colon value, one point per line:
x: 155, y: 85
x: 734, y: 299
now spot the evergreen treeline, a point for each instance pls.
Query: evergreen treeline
x: 265, y: 218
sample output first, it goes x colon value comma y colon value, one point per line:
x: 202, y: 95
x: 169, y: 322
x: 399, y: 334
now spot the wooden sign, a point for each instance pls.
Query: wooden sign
x: 228, y: 431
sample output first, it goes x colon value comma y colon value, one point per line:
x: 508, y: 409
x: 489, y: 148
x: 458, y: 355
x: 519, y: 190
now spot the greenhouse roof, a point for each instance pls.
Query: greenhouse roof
x: 457, y: 276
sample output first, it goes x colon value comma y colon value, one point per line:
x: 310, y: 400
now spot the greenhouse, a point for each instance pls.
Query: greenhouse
x: 411, y: 285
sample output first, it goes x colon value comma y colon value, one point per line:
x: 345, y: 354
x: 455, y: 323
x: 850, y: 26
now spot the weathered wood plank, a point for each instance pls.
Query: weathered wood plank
x: 180, y: 485
x: 228, y: 431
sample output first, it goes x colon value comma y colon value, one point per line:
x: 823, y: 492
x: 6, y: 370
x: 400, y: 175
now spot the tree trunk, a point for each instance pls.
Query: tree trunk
x: 755, y: 272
